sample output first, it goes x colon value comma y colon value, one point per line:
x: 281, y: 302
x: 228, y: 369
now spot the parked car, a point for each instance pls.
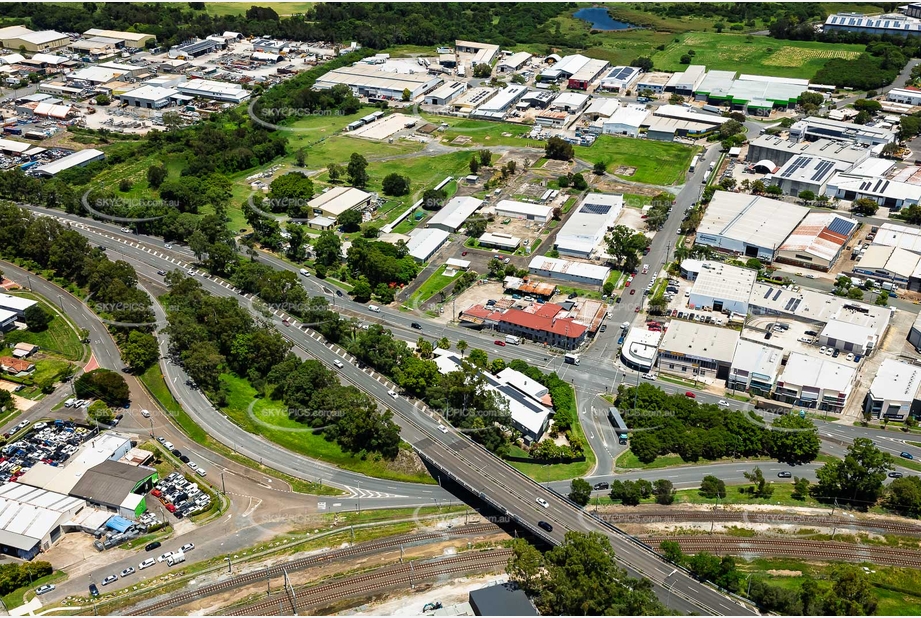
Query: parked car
x: 44, y: 589
x: 690, y: 394
x: 152, y: 546
x: 94, y: 591
x: 147, y: 563
x: 784, y: 475
x: 127, y: 572
x: 896, y: 475
x: 108, y: 580
x: 187, y: 547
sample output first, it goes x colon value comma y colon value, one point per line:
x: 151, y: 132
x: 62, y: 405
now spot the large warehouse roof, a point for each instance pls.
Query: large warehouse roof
x: 81, y: 157
x: 524, y: 208
x: 897, y: 235
x: 724, y: 282
x: 757, y: 221
x: 362, y: 75
x: 27, y: 514
x: 821, y: 234
x: 757, y: 360
x: 575, y: 269
x: 892, y: 259
x: 805, y: 370
x: 455, y: 212
x: 586, y: 227
x: 896, y: 381
x: 339, y: 199
x: 110, y: 482
x: 700, y: 341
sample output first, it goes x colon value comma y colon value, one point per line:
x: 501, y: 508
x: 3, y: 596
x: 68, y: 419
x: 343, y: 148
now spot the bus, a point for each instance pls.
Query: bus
x: 694, y: 163
x: 619, y: 425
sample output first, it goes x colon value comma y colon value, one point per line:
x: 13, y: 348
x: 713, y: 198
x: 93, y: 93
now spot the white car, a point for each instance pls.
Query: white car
x: 822, y: 350
x: 442, y: 429
x: 127, y: 572
x: 724, y: 403
x: 543, y: 503
x: 108, y: 580
x: 649, y: 376
x: 163, y: 557
x: 193, y: 465
x: 147, y: 563
x: 392, y: 394
x: 187, y: 547
x: 40, y: 425
x: 145, y: 413
x: 44, y: 589
x: 850, y: 356
x: 338, y: 363
x: 829, y: 351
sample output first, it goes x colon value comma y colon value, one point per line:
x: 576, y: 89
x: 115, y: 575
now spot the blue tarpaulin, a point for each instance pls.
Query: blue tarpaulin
x: 119, y: 524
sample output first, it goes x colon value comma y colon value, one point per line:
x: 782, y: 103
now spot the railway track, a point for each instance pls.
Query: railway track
x: 303, y: 563
x: 403, y: 575
x: 817, y: 550
x: 762, y: 517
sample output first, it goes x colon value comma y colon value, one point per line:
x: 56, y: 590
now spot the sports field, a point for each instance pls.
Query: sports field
x: 752, y: 54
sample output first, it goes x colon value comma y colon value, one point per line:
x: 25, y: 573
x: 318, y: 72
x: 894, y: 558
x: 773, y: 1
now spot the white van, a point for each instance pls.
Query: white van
x: 175, y: 559
x: 70, y: 403
x: 304, y: 272
x: 512, y: 339
x: 374, y: 308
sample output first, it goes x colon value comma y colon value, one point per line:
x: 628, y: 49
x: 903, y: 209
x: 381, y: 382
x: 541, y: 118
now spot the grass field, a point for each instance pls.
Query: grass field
x: 240, y: 8
x: 483, y: 132
x: 657, y: 163
x: 60, y: 337
x: 752, y: 54
x: 18, y: 596
x: 278, y: 428
x: 434, y: 284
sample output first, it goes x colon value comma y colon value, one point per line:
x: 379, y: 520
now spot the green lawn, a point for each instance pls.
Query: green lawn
x: 658, y: 163
x: 271, y: 422
x: 60, y: 337
x: 434, y: 284
x: 484, y: 132
x: 240, y: 8
x: 614, y: 277
x: 153, y: 380
x: 757, y: 54
x: 569, y: 203
x: 410, y: 51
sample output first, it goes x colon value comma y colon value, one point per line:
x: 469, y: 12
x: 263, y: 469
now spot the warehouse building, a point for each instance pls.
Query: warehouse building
x: 129, y: 39
x: 904, y: 95
x: 893, y: 394
x: 888, y: 193
x: 18, y: 37
x: 666, y: 129
x: 523, y: 210
x: 890, y: 265
x: 627, y: 120
x: 565, y: 68
x: 513, y: 63
x: 117, y: 487
x: 693, y: 350
x: 892, y: 24
x: 565, y: 270
x: 589, y: 72
x: 897, y: 235
x: 849, y: 337
x: 817, y: 242
x: 217, y: 91
x: 813, y: 127
x: 679, y: 112
x: 445, y: 93
x: 640, y: 348
x: 816, y: 383
x: 748, y: 225
x: 619, y: 79
x: 370, y: 81
x: 424, y: 243
x: 778, y: 151
x: 7, y: 320
x: 686, y: 82
x: 806, y: 173
x: 337, y: 200
x: 31, y: 519
x: 654, y: 82
x: 756, y: 95
x: 77, y: 159
x: 755, y: 367
x: 195, y: 49
x: 483, y: 53
x: 505, y: 242
x: 498, y: 106
x: 584, y: 230
x: 722, y: 287
x: 914, y: 333
x: 601, y: 107
x: 472, y: 98
x: 150, y: 97
x: 453, y: 214
x: 16, y: 304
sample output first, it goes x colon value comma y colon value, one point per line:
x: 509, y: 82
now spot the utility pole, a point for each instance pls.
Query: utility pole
x: 223, y: 487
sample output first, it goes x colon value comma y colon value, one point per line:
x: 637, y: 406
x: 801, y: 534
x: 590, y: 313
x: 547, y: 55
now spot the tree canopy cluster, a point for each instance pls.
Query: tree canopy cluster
x: 15, y: 576
x: 580, y: 577
x: 663, y: 424
x: 103, y: 384
x: 877, y: 68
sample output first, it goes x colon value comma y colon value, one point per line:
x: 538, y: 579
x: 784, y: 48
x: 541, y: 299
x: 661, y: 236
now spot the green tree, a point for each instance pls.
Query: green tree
x: 800, y: 488
x: 794, y: 439
x: 203, y: 362
x: 474, y: 165
x: 350, y: 220
x: 462, y: 347
x: 99, y: 412
x: 395, y: 184
x: 141, y: 350
x: 478, y: 358
x: 909, y: 126
x: 300, y: 157
x: 671, y: 551
x: 357, y: 171
x: 712, y: 487
x: 807, y: 196
x: 37, y: 318
x: 526, y: 566
x: 719, y: 26
x: 882, y: 299
x: 774, y: 190
x: 559, y: 149
x: 664, y: 491
x: 580, y: 491
x: 156, y: 174
x: 444, y: 343
x: 103, y: 384
x: 485, y: 157
x: 578, y: 182
x: 760, y: 488
x: 361, y: 292
x: 904, y: 496
x: 600, y: 168
x: 328, y: 248
x: 851, y: 593
x: 855, y: 293
x: 334, y: 171
x: 684, y: 59
x: 103, y: 99
x: 858, y: 477
x: 864, y: 206
x: 482, y: 71
x: 407, y: 95
x: 625, y: 245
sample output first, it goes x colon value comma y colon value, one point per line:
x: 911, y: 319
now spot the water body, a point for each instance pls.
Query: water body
x: 600, y: 19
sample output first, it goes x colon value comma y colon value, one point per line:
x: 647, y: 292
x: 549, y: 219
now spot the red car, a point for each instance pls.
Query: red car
x: 499, y: 342
x: 633, y: 291
x: 286, y: 322
x: 464, y: 253
x: 691, y: 395
x: 170, y: 508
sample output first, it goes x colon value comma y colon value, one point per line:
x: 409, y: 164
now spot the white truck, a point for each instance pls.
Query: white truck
x: 571, y: 359
x: 177, y: 558
x: 512, y: 339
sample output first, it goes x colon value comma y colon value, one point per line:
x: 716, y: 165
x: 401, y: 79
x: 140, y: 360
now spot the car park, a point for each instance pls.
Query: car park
x: 543, y: 503
x: 44, y: 589
x: 110, y: 579
x: 784, y: 475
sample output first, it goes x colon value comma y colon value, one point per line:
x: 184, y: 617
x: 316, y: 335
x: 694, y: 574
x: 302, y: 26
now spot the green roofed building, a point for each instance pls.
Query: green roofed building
x: 755, y: 95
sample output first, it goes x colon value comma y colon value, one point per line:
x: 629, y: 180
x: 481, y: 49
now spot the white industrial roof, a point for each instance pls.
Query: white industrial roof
x: 151, y: 93
x: 49, y: 58
x: 895, y: 381
x: 893, y: 259
x: 569, y: 99
x: 724, y: 282
x: 45, y: 36
x: 846, y: 130
x: 455, y: 212
x: 500, y: 240
x: 872, y: 167
x: 860, y: 334
x: 683, y: 113
x: 503, y: 98
x: 447, y: 89
x: 603, y: 106
x: 821, y: 234
x: 822, y: 373
x: 757, y: 360
x: 118, y: 34
x: 579, y: 269
x: 209, y: 88
x: 515, y: 60
x: 641, y: 346
x: 716, y: 82
x: 527, y: 385
x: 587, y: 226
x: 13, y: 32
x: 808, y: 169
x: 877, y: 187
x: 628, y: 115
x: 62, y: 479
x: 700, y: 341
x: 96, y: 74
x: 27, y: 514
x: 71, y: 160
x: 897, y: 235
x: 571, y: 64
x: 757, y: 221
x: 16, y: 303
x: 524, y: 208
x: 825, y: 148
x: 424, y: 242
x: 8, y: 145
x: 339, y: 199
x: 12, y: 58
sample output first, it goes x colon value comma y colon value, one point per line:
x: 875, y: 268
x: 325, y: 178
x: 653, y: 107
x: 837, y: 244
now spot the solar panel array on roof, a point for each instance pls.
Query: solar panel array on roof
x: 799, y: 163
x: 789, y: 304
x: 777, y: 295
x: 822, y: 169
x: 796, y: 304
x: 596, y: 209
x: 841, y: 226
x: 768, y: 293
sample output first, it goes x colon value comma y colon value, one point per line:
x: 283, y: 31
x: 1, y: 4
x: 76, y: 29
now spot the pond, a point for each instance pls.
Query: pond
x: 600, y: 19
